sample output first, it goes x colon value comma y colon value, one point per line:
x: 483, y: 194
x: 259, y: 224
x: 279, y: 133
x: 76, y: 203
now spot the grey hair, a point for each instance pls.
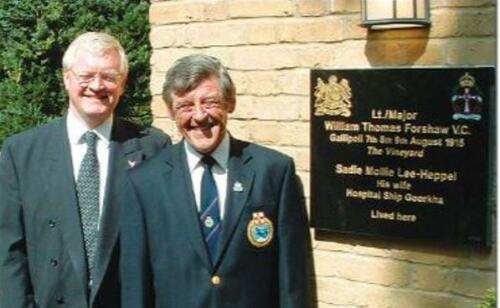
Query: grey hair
x: 188, y: 72
x: 95, y: 42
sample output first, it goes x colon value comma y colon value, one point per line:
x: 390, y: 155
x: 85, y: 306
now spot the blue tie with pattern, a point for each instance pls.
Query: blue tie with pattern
x: 87, y: 187
x: 209, y: 209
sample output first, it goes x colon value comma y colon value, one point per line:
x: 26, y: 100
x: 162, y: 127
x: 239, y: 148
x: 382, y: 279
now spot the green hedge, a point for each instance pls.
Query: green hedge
x: 34, y: 35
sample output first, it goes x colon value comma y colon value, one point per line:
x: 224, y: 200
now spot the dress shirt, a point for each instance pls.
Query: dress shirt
x: 76, y: 128
x: 219, y: 171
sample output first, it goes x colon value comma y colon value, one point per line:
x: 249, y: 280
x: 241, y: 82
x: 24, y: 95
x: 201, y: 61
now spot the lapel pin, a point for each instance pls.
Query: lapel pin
x: 237, y: 186
x: 131, y: 163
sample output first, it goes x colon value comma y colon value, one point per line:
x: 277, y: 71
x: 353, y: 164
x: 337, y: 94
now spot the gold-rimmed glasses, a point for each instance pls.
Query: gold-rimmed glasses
x: 109, y: 79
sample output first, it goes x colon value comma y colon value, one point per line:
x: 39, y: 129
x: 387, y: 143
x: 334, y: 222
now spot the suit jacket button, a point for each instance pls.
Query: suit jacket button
x: 60, y: 300
x: 52, y: 223
x: 53, y: 262
x: 216, y: 280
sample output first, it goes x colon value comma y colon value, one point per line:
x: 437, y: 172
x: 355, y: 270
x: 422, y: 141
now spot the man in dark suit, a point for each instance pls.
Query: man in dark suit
x: 61, y: 188
x: 212, y: 221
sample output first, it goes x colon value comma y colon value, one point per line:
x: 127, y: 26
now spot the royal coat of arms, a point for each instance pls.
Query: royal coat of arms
x: 332, y: 97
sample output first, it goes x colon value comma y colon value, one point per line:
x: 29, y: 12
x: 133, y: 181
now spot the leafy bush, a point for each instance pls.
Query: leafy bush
x: 490, y: 300
x: 34, y: 35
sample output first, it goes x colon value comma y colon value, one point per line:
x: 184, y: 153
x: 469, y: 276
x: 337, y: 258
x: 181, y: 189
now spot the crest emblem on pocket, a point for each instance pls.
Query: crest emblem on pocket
x: 260, y: 230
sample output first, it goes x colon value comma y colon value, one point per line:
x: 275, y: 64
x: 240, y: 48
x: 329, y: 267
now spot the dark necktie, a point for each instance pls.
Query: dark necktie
x: 209, y: 209
x: 87, y: 187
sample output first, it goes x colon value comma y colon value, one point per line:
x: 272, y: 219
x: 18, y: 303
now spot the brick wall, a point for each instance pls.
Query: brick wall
x: 269, y: 47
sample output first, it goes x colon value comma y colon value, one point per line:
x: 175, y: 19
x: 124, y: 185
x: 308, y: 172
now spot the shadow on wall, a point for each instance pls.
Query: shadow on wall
x: 396, y: 47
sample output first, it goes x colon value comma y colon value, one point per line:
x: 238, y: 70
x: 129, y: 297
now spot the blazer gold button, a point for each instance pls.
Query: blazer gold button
x: 216, y: 280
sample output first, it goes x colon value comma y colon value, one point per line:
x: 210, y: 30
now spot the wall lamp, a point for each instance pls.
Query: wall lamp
x: 395, y: 14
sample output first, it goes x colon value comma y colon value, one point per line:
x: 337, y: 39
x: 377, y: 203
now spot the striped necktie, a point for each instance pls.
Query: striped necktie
x: 209, y: 209
x: 87, y: 187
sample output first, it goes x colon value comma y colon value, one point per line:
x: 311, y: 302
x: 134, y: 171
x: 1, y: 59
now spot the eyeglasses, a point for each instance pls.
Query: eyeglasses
x: 109, y: 79
x: 190, y: 106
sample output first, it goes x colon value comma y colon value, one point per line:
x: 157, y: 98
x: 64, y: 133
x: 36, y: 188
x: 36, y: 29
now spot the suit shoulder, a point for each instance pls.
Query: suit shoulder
x: 146, y: 169
x: 260, y: 150
x: 127, y: 130
x: 34, y: 135
x: 266, y: 154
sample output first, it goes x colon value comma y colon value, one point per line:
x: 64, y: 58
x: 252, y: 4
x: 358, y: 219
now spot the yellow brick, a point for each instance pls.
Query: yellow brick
x: 478, y: 23
x: 412, y: 298
x: 355, y: 53
x: 175, y: 12
x: 264, y: 132
x: 167, y: 36
x: 294, y: 81
x: 328, y: 29
x: 463, y: 22
x: 272, y: 82
x: 239, y: 129
x: 256, y: 82
x: 312, y: 7
x: 363, y: 269
x: 229, y: 33
x: 414, y: 253
x: 444, y: 23
x: 474, y: 51
x: 270, y: 108
x: 162, y: 59
x: 156, y: 84
x: 261, y: 33
x: 471, y: 283
x: 260, y: 8
x: 352, y: 29
x: 244, y: 108
x: 278, y: 57
x: 216, y: 34
x: 159, y: 108
x: 293, y: 134
x: 345, y: 293
x: 461, y: 3
x: 430, y: 278
x: 343, y: 6
x: 216, y: 11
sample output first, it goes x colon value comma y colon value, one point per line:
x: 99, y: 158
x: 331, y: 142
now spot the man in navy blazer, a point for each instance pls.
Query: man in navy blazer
x: 169, y: 255
x: 43, y: 255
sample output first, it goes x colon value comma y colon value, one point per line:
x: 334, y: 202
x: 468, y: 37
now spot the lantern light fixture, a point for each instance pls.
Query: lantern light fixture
x: 395, y: 14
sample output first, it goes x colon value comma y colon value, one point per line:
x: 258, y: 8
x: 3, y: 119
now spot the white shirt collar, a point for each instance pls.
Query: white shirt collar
x: 220, y: 154
x: 76, y: 128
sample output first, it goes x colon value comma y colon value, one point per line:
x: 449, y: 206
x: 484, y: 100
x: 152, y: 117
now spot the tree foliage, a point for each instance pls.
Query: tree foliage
x: 34, y: 35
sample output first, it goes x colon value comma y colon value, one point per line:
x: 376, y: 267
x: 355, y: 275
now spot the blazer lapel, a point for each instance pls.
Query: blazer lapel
x: 178, y: 182
x: 123, y: 155
x: 60, y: 187
x: 239, y: 186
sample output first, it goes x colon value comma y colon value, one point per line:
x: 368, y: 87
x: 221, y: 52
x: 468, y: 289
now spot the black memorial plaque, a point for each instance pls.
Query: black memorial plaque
x: 405, y: 152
